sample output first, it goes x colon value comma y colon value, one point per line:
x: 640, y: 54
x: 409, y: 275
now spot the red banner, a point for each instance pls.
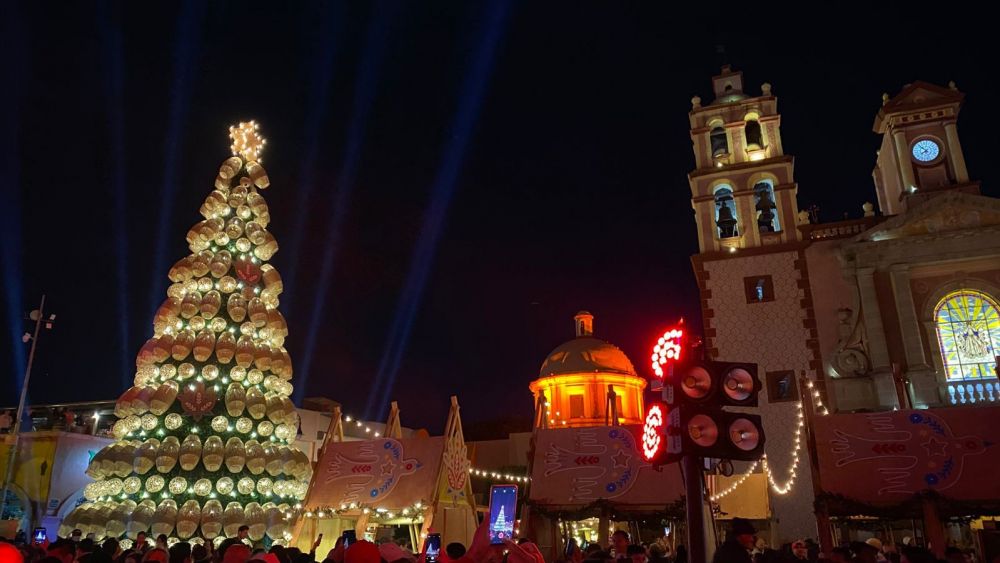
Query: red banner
x: 577, y: 466
x: 886, y: 457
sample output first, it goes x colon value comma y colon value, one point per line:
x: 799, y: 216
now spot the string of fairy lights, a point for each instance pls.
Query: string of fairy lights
x: 474, y: 471
x: 778, y: 488
x: 497, y: 476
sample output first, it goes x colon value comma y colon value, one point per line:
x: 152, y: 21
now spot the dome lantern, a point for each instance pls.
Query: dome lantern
x: 584, y: 324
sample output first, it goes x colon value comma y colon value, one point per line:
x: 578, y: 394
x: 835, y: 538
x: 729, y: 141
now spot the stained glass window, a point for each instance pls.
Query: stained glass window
x: 968, y: 328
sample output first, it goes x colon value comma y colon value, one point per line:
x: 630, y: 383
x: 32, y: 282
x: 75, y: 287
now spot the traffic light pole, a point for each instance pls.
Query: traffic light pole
x: 695, y: 510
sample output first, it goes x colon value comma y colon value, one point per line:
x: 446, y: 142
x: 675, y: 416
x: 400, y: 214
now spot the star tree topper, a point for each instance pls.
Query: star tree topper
x: 247, y: 140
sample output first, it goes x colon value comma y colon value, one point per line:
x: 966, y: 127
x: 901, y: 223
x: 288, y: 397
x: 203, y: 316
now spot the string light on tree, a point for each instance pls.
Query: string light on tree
x: 209, y: 415
x: 247, y: 141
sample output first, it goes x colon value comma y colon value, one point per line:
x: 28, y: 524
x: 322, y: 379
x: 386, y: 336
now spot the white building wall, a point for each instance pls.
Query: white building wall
x: 774, y: 335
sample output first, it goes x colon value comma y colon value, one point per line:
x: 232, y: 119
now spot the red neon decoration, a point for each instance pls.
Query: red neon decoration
x: 651, y: 439
x: 668, y: 349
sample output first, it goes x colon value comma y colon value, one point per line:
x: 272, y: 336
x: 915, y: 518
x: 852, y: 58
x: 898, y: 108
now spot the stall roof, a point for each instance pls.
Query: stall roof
x: 387, y: 473
x: 577, y: 467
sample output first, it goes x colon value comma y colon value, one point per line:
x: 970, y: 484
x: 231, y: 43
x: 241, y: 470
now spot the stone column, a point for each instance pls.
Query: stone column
x: 903, y: 156
x: 747, y: 212
x: 737, y: 143
x: 955, y: 153
x: 899, y: 275
x: 772, y: 136
x: 885, y: 389
x: 872, y: 318
x: 923, y: 381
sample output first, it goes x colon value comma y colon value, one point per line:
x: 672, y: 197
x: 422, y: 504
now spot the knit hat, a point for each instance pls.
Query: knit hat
x: 10, y: 554
x: 874, y: 542
x: 362, y: 551
x: 236, y: 553
x: 392, y: 552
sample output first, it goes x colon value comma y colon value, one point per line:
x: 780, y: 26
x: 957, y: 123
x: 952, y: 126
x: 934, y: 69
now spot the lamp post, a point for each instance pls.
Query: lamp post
x: 38, y: 315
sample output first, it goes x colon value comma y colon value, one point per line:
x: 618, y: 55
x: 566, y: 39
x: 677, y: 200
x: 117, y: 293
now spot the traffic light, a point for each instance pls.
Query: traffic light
x: 685, y: 413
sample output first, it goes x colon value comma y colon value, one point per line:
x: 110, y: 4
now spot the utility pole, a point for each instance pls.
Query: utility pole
x: 38, y: 315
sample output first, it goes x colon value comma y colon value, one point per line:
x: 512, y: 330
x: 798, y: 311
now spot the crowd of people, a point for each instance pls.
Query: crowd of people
x: 741, y: 546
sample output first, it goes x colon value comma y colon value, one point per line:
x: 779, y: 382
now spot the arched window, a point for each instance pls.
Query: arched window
x: 755, y: 139
x: 968, y: 329
x: 720, y: 144
x: 725, y: 212
x: 767, y: 216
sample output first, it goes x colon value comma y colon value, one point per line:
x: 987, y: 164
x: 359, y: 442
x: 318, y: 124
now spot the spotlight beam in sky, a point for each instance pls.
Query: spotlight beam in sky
x: 321, y: 77
x: 443, y: 188
x: 109, y: 25
x: 364, y: 94
x: 188, y: 43
x: 12, y: 49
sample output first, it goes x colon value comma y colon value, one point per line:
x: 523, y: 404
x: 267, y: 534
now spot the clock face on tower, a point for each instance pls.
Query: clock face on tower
x: 926, y: 150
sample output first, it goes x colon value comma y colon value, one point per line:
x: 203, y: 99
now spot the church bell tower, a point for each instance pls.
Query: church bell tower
x: 742, y: 188
x: 920, y: 155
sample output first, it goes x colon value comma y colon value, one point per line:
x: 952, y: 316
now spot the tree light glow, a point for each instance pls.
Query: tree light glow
x: 247, y: 141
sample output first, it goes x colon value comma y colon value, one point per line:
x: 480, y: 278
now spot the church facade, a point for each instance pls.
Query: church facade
x: 895, y: 309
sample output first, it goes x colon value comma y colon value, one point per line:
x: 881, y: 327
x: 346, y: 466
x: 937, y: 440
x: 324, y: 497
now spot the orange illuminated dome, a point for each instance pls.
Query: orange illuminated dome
x: 581, y: 378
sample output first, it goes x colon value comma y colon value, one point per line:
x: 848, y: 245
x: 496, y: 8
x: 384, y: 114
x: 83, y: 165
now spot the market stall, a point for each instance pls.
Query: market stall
x: 928, y: 466
x: 594, y: 475
x: 390, y: 487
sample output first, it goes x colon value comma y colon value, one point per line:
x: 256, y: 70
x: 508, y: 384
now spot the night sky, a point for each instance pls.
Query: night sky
x: 563, y: 127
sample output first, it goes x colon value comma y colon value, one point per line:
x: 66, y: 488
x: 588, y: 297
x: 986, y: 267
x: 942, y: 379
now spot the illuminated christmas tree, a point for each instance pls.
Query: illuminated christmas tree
x: 500, y: 526
x: 203, y: 438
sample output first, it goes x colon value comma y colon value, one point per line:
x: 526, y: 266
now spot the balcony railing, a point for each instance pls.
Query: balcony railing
x: 974, y: 392
x: 839, y: 229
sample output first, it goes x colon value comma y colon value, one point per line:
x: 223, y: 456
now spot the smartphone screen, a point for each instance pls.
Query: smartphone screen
x: 503, y: 505
x: 350, y: 536
x: 432, y: 548
x: 40, y: 535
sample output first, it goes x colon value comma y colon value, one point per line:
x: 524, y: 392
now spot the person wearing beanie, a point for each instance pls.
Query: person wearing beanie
x: 10, y: 554
x: 236, y: 553
x: 737, y: 548
x: 362, y: 551
x: 390, y: 552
